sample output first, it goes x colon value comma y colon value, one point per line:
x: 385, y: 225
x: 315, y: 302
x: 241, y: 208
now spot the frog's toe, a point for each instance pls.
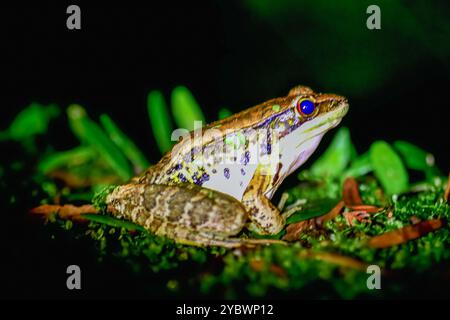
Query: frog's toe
x: 267, y: 229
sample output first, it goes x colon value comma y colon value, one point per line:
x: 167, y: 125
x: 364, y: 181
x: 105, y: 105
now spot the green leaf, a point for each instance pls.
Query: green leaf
x: 359, y: 167
x: 414, y: 157
x: 113, y: 222
x: 313, y: 209
x: 90, y: 133
x: 159, y: 120
x: 127, y: 146
x: 353, y: 153
x: 185, y: 108
x: 336, y: 158
x: 388, y: 167
x: 31, y: 121
x: 224, y: 113
x: 74, y: 156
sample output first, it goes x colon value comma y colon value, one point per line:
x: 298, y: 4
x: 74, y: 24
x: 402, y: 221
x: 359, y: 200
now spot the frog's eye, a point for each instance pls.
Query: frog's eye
x: 305, y: 107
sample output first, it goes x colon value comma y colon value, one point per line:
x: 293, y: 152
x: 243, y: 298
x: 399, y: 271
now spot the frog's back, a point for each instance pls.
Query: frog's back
x: 199, y: 161
x: 208, y: 166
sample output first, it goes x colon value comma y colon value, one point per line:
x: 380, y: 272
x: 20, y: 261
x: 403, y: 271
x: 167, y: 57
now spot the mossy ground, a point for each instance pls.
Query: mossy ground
x: 175, y: 270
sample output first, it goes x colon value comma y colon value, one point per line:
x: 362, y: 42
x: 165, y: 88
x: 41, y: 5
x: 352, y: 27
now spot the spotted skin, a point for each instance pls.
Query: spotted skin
x: 205, y: 191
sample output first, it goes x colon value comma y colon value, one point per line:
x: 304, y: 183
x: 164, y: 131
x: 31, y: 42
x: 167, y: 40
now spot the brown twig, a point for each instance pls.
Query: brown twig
x: 361, y: 216
x: 351, y: 192
x: 405, y: 234
x: 331, y: 215
x: 364, y: 207
x: 294, y: 230
x: 66, y: 211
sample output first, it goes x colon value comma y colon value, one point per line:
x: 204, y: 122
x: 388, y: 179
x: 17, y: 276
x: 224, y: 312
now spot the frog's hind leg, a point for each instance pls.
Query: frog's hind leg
x: 187, y: 214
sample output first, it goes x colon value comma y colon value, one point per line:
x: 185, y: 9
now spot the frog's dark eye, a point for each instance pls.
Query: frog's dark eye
x: 305, y: 107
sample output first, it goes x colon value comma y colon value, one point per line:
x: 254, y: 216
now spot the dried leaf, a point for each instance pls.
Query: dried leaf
x: 294, y: 230
x: 330, y: 215
x: 361, y: 216
x: 364, y: 207
x: 67, y: 211
x: 351, y: 192
x: 405, y: 234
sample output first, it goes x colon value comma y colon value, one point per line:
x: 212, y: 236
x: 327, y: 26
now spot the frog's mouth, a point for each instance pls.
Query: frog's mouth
x: 318, y: 126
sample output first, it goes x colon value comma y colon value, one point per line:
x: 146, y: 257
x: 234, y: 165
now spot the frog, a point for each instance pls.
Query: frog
x: 219, y: 179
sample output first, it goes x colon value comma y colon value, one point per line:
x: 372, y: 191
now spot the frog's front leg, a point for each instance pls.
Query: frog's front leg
x: 265, y: 217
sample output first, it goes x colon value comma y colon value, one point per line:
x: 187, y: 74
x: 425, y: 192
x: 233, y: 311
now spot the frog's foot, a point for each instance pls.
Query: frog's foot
x: 293, y: 208
x: 283, y: 199
x: 202, y: 240
x: 265, y: 218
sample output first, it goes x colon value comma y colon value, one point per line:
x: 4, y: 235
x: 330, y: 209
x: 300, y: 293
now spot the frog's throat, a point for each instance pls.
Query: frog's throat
x: 321, y: 124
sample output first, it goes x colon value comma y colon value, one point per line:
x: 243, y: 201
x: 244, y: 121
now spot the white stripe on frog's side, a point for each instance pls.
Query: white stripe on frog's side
x: 231, y: 179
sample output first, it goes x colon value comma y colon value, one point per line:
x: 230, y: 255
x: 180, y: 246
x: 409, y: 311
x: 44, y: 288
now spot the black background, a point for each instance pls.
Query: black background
x: 227, y: 56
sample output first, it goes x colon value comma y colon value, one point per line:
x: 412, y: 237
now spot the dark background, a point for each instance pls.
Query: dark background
x: 236, y: 54
x: 228, y: 53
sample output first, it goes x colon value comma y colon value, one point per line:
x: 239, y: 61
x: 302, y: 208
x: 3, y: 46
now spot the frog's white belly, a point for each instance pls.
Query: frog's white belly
x: 233, y: 181
x: 293, y: 156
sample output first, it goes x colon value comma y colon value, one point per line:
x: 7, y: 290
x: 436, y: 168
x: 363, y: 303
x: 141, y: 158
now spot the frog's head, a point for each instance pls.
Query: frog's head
x: 310, y: 114
x: 304, y: 117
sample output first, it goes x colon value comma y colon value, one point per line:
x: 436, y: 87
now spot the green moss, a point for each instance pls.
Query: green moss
x: 99, y: 199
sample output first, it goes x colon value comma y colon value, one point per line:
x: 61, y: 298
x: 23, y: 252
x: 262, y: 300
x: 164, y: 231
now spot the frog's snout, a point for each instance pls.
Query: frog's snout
x: 334, y: 103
